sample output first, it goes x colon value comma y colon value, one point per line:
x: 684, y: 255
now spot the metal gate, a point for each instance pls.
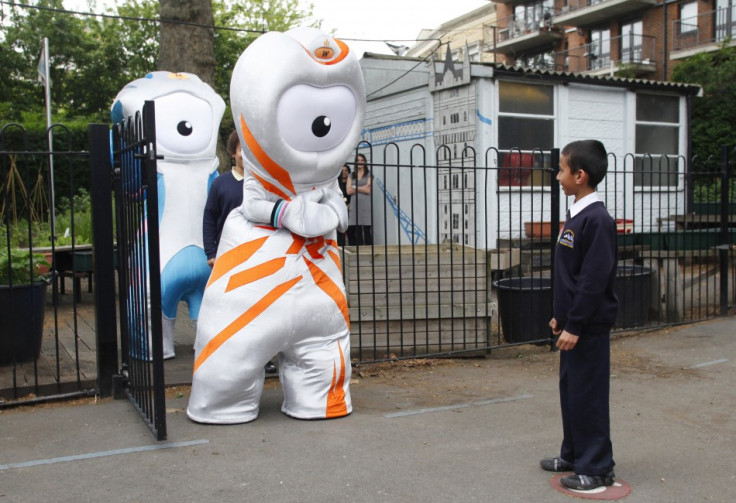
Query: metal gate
x: 139, y: 290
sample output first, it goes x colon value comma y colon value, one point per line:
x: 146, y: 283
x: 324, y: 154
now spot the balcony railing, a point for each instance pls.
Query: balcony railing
x: 518, y: 35
x: 627, y: 53
x: 712, y: 27
x: 587, y: 12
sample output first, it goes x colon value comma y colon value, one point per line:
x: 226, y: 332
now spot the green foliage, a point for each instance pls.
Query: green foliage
x: 73, y: 225
x: 712, y: 114
x: 22, y: 266
x: 92, y: 58
x: 711, y: 192
x: 74, y: 218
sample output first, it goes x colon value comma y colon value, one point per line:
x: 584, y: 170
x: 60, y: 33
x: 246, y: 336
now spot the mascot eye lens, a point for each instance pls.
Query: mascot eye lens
x: 184, y: 128
x: 321, y: 126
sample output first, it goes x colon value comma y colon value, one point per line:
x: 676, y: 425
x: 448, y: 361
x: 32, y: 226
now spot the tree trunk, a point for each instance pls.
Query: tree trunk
x: 187, y: 38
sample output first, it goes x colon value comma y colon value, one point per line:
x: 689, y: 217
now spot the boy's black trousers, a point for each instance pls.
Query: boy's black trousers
x: 585, y: 373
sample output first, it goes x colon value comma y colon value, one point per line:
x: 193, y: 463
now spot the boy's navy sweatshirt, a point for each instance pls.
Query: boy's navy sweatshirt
x: 586, y: 254
x: 226, y: 194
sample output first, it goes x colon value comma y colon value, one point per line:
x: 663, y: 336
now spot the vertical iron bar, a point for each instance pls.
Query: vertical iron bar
x: 723, y: 241
x: 151, y: 179
x: 103, y: 264
x: 554, y: 186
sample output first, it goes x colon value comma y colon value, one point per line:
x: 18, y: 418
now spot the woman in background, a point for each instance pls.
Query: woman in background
x: 360, y: 216
x: 342, y: 181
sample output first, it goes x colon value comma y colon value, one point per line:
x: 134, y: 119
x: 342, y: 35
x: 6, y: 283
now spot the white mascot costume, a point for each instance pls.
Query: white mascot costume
x: 188, y: 115
x: 298, y: 101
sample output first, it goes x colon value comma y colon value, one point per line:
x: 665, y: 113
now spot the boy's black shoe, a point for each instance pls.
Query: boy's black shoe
x: 556, y: 464
x: 588, y: 482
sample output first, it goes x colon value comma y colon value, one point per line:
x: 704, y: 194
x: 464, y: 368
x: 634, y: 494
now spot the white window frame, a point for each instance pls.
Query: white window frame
x: 555, y: 104
x: 681, y: 146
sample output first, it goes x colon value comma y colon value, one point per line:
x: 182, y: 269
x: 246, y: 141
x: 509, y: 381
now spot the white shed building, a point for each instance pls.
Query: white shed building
x: 424, y: 113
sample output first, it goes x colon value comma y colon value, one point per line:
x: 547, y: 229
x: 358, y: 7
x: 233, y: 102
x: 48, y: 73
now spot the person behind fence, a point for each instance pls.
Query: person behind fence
x: 360, y: 215
x: 342, y: 181
x: 584, y: 310
x: 225, y: 195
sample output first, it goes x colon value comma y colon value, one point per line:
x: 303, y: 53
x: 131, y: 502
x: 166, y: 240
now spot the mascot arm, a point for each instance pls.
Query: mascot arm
x: 333, y: 198
x: 256, y: 204
x: 307, y: 215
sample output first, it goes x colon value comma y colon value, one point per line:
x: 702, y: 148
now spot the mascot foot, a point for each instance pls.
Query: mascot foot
x: 167, y: 329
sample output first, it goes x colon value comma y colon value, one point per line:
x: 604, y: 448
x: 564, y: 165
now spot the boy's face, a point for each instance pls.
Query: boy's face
x: 570, y: 182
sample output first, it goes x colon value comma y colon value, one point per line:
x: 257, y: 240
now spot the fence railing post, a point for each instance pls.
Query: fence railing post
x: 723, y: 244
x: 104, y: 256
x: 554, y: 186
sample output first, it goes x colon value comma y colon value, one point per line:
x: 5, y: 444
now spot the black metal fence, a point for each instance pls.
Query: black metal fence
x: 460, y: 264
x: 462, y: 250
x: 139, y: 284
x: 47, y: 347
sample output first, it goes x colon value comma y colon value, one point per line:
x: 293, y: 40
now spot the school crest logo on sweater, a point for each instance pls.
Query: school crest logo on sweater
x: 567, y: 238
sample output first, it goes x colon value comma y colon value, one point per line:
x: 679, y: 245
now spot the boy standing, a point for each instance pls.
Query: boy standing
x: 584, y: 310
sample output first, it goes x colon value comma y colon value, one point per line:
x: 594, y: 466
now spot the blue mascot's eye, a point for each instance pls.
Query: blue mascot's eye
x: 184, y: 128
x: 321, y: 126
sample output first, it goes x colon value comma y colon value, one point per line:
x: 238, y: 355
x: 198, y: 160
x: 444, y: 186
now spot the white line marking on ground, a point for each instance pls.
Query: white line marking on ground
x: 706, y: 364
x: 102, y: 454
x: 453, y: 407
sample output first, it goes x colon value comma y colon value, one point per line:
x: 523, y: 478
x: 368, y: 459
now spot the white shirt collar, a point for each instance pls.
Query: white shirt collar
x: 236, y: 175
x: 583, y: 203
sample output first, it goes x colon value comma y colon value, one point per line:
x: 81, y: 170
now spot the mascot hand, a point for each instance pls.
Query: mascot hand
x: 335, y: 201
x: 305, y: 216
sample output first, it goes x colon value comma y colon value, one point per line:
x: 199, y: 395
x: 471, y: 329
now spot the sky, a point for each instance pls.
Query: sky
x: 386, y: 19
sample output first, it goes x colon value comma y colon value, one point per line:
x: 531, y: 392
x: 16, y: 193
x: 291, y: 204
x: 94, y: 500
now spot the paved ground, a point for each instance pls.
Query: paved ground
x: 457, y: 430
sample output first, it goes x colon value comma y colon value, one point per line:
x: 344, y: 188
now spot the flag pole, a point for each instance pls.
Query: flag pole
x: 50, y: 136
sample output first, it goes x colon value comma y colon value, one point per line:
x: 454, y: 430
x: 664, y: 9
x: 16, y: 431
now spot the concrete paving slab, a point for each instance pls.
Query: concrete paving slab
x: 427, y: 430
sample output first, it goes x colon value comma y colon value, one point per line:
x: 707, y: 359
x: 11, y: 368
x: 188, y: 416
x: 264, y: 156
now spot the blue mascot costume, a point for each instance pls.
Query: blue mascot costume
x: 188, y: 115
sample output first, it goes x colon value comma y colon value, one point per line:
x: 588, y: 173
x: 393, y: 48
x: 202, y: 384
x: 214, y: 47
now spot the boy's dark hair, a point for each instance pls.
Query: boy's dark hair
x: 588, y: 155
x: 232, y: 143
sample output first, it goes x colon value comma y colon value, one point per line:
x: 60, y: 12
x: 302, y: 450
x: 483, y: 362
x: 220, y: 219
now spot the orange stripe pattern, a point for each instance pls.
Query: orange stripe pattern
x: 243, y: 320
x: 255, y: 273
x: 272, y: 168
x: 234, y: 257
x: 328, y: 286
x: 336, y: 405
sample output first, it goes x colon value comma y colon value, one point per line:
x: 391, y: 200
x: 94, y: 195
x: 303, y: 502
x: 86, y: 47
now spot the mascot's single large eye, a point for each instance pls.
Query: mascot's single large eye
x: 315, y: 119
x: 321, y: 126
x: 185, y: 128
x: 184, y: 124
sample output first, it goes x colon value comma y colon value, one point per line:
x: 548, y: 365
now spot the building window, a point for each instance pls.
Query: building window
x: 657, y: 148
x: 474, y: 53
x: 531, y: 15
x: 455, y: 221
x: 689, y: 18
x: 455, y: 181
x: 598, y: 54
x: 537, y: 61
x: 526, y: 127
x: 631, y: 42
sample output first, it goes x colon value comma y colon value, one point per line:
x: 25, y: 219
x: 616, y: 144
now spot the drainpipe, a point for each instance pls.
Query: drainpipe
x: 665, y: 56
x: 665, y: 52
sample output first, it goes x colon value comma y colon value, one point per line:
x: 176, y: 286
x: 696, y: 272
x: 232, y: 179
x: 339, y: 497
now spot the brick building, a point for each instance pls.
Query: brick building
x: 628, y: 38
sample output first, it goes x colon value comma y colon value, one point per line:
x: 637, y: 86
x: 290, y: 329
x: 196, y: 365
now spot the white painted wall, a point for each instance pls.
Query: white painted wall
x: 403, y: 113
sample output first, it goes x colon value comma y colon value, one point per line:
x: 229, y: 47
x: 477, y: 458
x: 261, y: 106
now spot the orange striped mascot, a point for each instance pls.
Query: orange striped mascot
x: 298, y: 100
